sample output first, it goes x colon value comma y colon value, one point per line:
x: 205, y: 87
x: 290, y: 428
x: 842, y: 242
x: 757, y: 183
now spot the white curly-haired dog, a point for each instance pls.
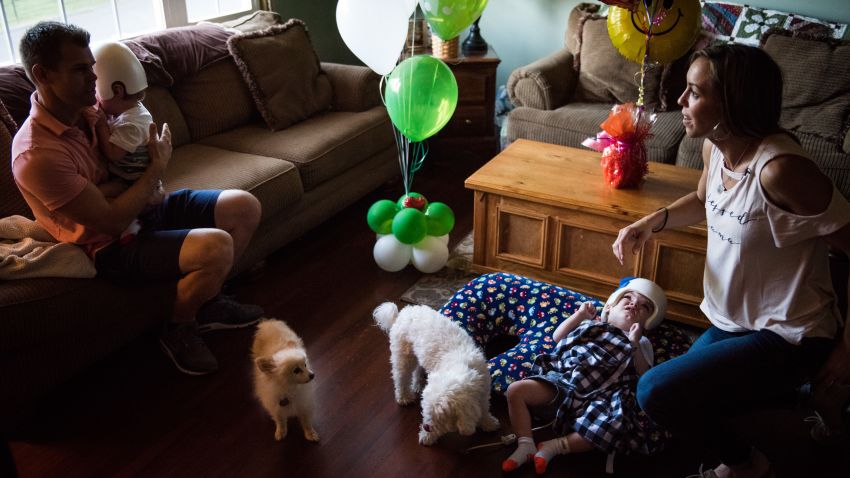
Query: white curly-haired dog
x: 457, y: 394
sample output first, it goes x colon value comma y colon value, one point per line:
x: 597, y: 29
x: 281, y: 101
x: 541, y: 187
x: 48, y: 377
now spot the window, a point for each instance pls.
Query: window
x: 110, y: 20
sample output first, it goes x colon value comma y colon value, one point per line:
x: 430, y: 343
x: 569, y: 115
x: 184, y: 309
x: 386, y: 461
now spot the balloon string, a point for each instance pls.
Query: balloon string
x: 413, y: 35
x: 650, y: 16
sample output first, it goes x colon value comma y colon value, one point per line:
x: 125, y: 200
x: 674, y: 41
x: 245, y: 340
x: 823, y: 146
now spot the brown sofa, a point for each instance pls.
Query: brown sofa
x: 51, y: 328
x: 562, y: 98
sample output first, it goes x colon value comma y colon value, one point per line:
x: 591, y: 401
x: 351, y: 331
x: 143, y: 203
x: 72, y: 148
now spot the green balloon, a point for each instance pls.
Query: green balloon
x: 416, y: 200
x: 421, y: 96
x: 440, y: 219
x: 448, y: 18
x: 410, y: 226
x: 380, y: 216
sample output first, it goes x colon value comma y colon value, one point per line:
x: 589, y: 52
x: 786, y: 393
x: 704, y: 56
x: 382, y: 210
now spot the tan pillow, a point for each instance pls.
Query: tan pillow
x: 604, y: 74
x: 282, y: 72
x: 816, y: 83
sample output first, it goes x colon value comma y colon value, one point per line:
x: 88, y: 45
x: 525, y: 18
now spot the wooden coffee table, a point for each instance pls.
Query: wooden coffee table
x: 544, y: 211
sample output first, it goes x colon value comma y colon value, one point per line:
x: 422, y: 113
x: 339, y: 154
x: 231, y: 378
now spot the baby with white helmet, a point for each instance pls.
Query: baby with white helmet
x: 122, y: 130
x: 588, y: 381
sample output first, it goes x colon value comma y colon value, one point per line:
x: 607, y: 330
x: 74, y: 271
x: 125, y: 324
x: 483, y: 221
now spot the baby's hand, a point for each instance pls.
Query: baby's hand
x: 588, y: 309
x: 101, y: 116
x: 635, y: 333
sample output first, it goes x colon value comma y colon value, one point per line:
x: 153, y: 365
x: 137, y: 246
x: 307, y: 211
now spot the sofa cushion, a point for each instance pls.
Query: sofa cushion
x: 282, y: 72
x: 232, y: 105
x: 571, y: 124
x: 15, y: 92
x: 816, y: 77
x: 274, y: 182
x: 605, y: 75
x: 169, y: 56
x: 321, y: 147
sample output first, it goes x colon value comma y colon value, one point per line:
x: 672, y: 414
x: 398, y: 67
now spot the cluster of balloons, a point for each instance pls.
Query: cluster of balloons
x: 411, y: 230
x: 421, y: 97
x: 375, y: 30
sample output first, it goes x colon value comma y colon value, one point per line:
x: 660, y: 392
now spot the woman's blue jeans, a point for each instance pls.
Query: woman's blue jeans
x: 697, y: 395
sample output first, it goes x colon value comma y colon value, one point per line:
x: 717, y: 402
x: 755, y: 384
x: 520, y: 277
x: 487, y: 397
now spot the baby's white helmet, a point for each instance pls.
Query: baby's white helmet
x: 115, y: 62
x: 648, y: 289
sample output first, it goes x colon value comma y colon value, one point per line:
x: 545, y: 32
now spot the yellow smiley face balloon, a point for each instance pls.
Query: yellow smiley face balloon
x: 675, y: 26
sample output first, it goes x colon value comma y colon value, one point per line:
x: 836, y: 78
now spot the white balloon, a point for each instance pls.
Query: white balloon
x: 390, y: 254
x: 430, y: 254
x: 444, y: 238
x: 374, y: 30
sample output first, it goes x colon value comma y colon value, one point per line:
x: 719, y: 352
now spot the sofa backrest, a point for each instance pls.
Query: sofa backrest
x: 11, y: 201
x: 216, y: 99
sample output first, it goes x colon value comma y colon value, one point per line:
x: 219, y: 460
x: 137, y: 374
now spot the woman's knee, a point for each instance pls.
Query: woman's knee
x: 652, y: 391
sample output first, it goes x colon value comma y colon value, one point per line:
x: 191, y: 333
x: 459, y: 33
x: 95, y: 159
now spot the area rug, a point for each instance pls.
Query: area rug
x: 435, y: 289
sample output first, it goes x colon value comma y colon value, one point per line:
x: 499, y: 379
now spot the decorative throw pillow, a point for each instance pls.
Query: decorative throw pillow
x: 724, y: 22
x: 282, y: 72
x: 816, y: 77
x: 171, y: 55
x: 605, y: 75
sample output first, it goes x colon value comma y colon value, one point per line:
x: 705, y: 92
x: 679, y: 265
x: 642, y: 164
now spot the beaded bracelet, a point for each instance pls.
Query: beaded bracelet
x: 663, y: 224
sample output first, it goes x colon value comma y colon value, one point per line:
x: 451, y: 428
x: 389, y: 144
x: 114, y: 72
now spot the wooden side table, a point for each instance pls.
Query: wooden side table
x: 473, y: 124
x: 544, y: 211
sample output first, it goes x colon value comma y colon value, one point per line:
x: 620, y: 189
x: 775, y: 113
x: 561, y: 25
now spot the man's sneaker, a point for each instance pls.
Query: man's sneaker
x: 187, y: 349
x: 223, y: 312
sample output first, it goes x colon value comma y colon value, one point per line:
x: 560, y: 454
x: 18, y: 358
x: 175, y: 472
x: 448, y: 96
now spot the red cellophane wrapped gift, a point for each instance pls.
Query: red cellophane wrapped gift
x: 622, y: 143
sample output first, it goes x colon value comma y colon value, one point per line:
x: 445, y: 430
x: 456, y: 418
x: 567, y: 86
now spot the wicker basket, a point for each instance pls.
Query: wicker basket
x: 445, y: 49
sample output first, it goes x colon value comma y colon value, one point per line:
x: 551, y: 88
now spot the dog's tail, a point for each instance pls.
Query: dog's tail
x: 385, y: 315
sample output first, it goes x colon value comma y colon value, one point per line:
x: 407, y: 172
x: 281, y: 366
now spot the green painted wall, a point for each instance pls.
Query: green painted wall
x: 320, y: 17
x: 520, y: 31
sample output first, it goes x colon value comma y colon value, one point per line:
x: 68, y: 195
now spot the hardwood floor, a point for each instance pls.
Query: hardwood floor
x: 135, y: 415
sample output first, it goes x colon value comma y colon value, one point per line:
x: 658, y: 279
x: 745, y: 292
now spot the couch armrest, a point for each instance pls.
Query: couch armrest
x: 546, y: 84
x: 355, y: 88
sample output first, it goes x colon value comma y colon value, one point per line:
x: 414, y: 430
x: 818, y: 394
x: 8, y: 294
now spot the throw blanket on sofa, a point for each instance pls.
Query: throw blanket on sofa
x: 28, y: 251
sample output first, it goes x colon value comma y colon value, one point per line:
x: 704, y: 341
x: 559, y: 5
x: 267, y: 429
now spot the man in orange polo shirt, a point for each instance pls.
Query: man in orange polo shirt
x: 192, y: 236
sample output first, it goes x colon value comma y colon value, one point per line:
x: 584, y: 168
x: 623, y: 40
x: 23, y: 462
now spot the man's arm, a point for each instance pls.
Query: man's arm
x: 91, y: 207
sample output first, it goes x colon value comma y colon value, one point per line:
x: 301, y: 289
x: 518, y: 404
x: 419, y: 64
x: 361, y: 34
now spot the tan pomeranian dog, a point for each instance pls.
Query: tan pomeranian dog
x: 283, y: 380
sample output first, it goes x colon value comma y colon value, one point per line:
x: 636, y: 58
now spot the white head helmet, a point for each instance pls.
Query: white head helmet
x: 648, y: 289
x: 115, y: 62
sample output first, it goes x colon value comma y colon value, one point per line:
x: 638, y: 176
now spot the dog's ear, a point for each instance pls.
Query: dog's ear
x: 265, y: 365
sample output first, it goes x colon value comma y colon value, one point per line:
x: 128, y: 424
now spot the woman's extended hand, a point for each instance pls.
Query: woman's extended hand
x: 631, y: 238
x: 835, y: 371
